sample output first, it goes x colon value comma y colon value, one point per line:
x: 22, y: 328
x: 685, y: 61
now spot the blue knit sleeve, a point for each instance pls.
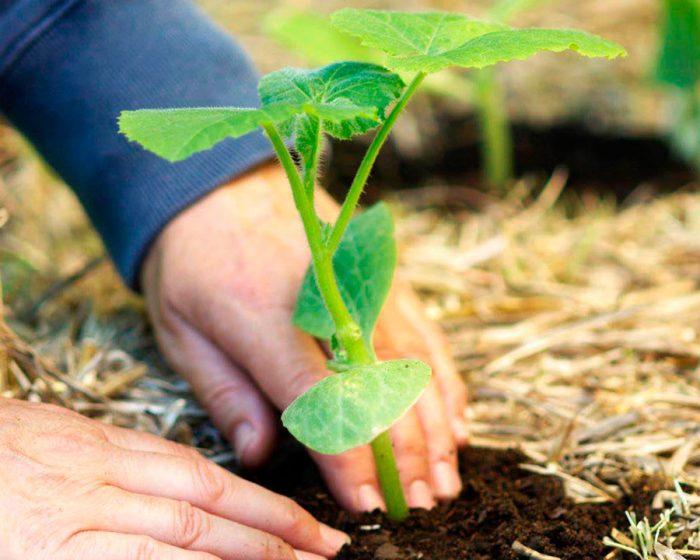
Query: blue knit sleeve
x: 68, y: 67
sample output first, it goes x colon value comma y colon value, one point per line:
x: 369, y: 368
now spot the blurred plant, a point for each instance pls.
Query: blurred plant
x: 678, y: 69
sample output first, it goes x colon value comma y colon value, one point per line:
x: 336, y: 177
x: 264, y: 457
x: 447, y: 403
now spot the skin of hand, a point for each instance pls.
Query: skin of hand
x: 221, y: 283
x: 74, y: 489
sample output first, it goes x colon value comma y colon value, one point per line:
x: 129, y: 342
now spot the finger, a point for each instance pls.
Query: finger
x: 115, y: 546
x: 408, y: 310
x: 285, y: 363
x: 142, y: 441
x: 351, y: 477
x: 442, y: 448
x: 234, y: 402
x: 180, y: 524
x: 214, y: 490
x: 412, y: 461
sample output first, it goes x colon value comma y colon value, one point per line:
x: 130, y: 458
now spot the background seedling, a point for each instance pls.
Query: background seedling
x: 352, y: 260
x: 678, y: 70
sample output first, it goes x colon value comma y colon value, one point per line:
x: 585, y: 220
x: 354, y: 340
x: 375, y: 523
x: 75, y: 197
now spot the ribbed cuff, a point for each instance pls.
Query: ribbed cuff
x: 66, y: 87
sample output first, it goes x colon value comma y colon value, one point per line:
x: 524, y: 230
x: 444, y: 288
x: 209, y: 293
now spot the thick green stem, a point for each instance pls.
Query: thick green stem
x: 311, y: 164
x: 497, y: 142
x: 358, y: 183
x: 312, y: 226
x: 348, y: 332
x: 396, y: 507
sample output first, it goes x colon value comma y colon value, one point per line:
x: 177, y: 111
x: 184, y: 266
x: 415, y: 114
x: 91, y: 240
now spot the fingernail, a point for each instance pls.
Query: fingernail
x: 333, y: 538
x: 420, y: 495
x: 460, y: 428
x: 368, y: 498
x: 446, y: 479
x: 301, y: 555
x: 243, y: 436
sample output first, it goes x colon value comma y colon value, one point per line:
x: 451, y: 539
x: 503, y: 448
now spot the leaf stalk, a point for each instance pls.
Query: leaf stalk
x: 360, y: 180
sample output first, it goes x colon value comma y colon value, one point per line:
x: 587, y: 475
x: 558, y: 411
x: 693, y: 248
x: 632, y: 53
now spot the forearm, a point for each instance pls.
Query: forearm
x: 76, y: 64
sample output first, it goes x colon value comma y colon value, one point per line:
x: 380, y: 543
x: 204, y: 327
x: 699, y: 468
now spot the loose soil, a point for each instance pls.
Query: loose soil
x: 500, y: 503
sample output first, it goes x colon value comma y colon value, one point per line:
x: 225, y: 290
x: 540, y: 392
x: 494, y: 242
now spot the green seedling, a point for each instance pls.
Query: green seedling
x: 353, y: 259
x: 678, y: 70
x: 491, y: 108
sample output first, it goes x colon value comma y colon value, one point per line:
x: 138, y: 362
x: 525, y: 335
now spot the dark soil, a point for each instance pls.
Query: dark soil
x: 500, y: 503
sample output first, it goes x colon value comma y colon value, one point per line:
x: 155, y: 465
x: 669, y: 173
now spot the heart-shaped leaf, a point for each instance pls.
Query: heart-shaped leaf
x: 364, y: 266
x: 352, y: 408
x: 431, y: 41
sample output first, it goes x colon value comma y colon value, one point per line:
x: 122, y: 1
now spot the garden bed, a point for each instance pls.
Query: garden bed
x: 503, y: 512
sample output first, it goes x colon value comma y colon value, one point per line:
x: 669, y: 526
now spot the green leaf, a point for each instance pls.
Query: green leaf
x: 364, y: 265
x: 342, y: 85
x: 679, y: 57
x: 431, y: 41
x: 175, y: 134
x: 353, y: 407
x: 314, y: 38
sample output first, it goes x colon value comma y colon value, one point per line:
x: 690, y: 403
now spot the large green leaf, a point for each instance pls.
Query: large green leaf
x: 352, y: 408
x: 176, y: 134
x: 364, y: 265
x: 431, y: 41
x: 679, y: 56
x: 342, y: 84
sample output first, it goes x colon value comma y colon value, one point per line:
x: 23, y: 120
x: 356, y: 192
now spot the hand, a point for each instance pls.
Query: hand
x: 221, y: 282
x: 75, y: 489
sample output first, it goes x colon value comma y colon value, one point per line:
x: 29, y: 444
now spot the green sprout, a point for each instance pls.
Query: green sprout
x: 353, y: 260
x: 646, y: 539
x: 678, y: 69
x: 492, y: 113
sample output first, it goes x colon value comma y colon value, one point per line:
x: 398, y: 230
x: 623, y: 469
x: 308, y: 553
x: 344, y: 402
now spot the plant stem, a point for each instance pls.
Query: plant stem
x: 358, y: 183
x: 348, y: 332
x: 497, y: 142
x: 388, y: 474
x: 311, y: 166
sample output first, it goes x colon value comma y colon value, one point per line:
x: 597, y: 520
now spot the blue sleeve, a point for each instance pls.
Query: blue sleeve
x: 68, y: 67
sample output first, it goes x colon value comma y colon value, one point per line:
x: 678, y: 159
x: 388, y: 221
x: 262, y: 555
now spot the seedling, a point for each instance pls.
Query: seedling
x: 353, y: 259
x: 678, y: 69
x: 492, y: 112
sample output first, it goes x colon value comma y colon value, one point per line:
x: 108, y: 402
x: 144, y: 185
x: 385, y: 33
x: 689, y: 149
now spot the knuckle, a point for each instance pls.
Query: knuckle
x: 144, y: 548
x: 295, y: 519
x: 222, y: 395
x: 190, y: 524
x: 273, y: 548
x: 209, y: 483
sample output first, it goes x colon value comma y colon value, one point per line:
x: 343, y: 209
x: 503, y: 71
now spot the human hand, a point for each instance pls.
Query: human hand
x: 72, y: 488
x: 221, y: 282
